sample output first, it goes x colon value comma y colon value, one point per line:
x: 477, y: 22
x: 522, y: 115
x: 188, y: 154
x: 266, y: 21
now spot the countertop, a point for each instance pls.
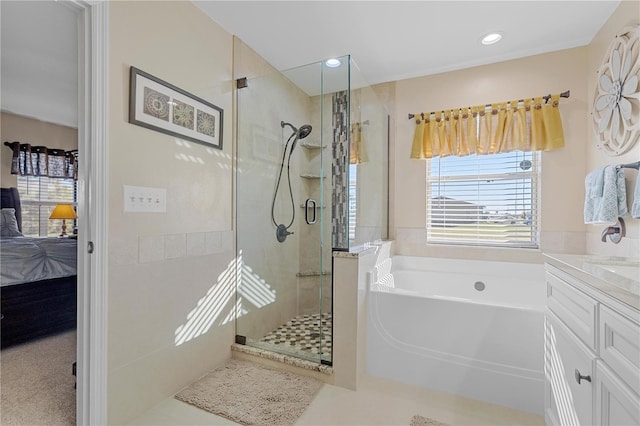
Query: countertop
x: 361, y: 250
x: 617, y: 277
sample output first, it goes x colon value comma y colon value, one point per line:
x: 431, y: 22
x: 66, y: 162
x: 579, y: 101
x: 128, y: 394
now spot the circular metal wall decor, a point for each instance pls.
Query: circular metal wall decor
x: 616, y: 101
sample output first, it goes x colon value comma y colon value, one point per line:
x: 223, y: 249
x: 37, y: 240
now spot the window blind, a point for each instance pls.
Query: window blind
x: 353, y: 200
x: 38, y: 197
x: 489, y: 200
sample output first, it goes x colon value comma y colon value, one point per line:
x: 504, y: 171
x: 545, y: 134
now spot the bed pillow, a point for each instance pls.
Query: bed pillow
x: 9, y: 224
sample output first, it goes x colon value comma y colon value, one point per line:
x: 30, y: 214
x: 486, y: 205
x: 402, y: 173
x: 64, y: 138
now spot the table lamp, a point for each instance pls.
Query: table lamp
x: 63, y: 211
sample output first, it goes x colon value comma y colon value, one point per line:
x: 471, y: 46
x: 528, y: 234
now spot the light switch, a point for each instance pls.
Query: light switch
x: 139, y: 199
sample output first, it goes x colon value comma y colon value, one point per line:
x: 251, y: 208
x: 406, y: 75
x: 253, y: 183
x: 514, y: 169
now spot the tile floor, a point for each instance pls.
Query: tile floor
x: 308, y: 336
x: 376, y: 402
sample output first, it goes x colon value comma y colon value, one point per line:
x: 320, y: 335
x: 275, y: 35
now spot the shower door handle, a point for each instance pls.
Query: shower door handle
x: 310, y: 203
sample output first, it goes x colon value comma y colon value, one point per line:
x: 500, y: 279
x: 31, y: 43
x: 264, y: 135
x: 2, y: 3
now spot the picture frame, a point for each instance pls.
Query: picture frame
x: 163, y: 107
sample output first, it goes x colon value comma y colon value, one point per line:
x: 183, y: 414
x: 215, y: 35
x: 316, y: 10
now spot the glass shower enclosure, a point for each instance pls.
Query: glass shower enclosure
x: 282, y: 240
x: 298, y: 196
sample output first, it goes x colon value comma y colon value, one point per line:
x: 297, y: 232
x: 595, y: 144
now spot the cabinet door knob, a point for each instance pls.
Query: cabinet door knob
x: 580, y: 377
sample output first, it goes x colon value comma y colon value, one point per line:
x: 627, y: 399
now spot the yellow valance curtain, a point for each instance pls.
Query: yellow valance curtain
x: 528, y: 125
x: 357, y: 153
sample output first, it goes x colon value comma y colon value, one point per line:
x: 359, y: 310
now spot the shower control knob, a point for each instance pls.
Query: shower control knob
x: 580, y: 377
x: 282, y: 232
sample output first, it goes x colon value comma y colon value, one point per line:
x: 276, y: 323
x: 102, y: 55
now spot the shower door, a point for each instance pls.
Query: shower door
x: 283, y: 276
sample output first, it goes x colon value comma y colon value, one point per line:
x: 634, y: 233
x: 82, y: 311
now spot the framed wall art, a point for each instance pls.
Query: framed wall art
x: 161, y: 106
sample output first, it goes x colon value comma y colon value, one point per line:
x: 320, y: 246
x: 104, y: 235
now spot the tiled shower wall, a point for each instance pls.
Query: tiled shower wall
x: 340, y: 171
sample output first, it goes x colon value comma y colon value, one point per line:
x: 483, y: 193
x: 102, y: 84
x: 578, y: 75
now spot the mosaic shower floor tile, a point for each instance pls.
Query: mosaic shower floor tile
x: 309, y: 336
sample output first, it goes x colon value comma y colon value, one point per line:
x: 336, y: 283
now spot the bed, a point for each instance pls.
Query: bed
x: 38, y: 279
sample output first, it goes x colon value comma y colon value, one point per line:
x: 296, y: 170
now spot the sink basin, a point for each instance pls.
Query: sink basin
x: 621, y: 266
x: 629, y: 271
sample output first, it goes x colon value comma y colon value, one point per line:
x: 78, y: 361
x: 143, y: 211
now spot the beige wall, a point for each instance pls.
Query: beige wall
x: 563, y: 170
x: 311, y: 258
x: 170, y: 283
x: 35, y: 132
x: 627, y: 13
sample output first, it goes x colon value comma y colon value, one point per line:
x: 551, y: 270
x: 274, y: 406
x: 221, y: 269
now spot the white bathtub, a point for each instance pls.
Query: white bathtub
x: 429, y: 326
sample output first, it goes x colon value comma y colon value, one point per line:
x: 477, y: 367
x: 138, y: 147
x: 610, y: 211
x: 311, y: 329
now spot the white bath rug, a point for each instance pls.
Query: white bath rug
x: 425, y: 421
x: 251, y: 394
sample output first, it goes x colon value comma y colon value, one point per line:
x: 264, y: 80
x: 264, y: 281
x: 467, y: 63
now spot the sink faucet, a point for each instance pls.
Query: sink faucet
x: 615, y: 232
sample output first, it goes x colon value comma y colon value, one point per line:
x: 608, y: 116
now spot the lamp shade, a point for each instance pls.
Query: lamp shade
x: 63, y: 211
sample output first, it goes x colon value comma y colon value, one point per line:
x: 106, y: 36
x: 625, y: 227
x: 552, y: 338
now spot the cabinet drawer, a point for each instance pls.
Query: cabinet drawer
x: 565, y: 357
x: 620, y: 346
x: 576, y: 309
x: 616, y: 403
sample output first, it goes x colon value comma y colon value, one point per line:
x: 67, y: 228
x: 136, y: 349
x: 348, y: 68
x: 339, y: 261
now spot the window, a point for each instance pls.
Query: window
x: 39, y: 196
x: 353, y: 199
x: 488, y: 200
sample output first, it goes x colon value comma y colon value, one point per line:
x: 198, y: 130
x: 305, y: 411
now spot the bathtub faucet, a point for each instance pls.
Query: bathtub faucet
x: 615, y: 232
x: 611, y: 230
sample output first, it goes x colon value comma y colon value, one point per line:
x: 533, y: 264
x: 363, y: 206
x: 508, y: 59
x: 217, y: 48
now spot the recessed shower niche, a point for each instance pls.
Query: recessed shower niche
x: 296, y: 193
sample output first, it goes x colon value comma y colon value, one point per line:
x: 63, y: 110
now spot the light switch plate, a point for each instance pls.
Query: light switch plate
x: 140, y: 199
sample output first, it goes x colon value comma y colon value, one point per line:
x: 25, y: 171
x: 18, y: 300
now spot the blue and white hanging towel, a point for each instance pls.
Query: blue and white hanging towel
x: 635, y: 207
x: 605, y: 197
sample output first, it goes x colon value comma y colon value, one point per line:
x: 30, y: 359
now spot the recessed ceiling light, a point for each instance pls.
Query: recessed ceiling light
x: 332, y: 63
x: 491, y: 38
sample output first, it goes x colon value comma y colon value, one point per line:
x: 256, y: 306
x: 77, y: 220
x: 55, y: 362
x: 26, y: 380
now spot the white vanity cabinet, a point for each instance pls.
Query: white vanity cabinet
x: 564, y: 356
x: 615, y: 403
x: 592, y: 352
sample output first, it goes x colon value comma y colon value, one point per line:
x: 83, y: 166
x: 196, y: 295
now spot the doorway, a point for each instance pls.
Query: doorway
x: 90, y: 44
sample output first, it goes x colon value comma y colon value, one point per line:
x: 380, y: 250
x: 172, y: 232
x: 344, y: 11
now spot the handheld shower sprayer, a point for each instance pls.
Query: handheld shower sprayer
x: 282, y: 231
x: 300, y: 133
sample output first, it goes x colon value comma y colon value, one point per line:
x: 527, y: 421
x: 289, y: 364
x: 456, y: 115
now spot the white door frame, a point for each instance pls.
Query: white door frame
x: 91, y: 353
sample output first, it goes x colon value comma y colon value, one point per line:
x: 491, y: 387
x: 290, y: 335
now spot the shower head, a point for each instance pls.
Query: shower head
x: 304, y: 131
x: 300, y: 133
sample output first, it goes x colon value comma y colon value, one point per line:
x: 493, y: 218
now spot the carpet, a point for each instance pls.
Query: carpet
x: 425, y: 421
x: 37, y: 384
x: 251, y: 394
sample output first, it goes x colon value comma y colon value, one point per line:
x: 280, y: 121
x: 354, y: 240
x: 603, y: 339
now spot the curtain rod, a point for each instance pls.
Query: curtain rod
x: 546, y: 99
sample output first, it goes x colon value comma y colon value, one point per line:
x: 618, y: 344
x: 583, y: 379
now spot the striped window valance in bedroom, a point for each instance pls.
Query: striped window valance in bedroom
x: 30, y: 160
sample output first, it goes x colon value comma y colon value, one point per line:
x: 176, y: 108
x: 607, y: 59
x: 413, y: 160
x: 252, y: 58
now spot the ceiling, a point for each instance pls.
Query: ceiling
x: 395, y: 40
x: 39, y: 69
x: 388, y: 40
